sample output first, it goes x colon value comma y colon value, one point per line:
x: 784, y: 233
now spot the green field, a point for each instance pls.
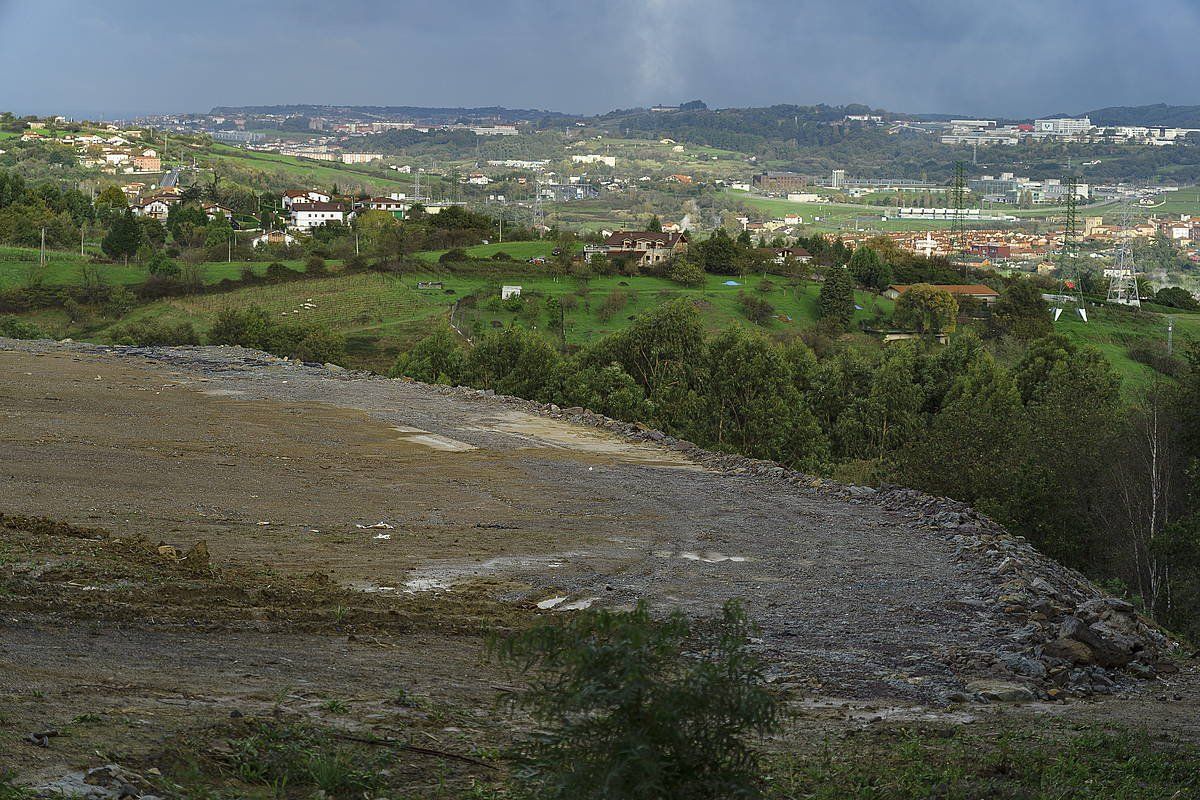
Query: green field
x: 1184, y: 201
x: 304, y: 172
x: 381, y: 315
x: 1114, y: 331
x: 19, y: 264
x: 518, y: 250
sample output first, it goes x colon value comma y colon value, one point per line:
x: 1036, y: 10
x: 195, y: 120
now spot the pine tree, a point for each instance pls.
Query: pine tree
x: 123, y: 238
x: 836, y: 300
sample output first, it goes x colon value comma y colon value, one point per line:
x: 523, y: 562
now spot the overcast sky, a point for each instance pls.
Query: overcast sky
x: 1013, y: 58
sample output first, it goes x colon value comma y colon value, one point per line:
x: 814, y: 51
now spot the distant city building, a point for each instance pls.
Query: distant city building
x: 360, y: 158
x: 1063, y: 126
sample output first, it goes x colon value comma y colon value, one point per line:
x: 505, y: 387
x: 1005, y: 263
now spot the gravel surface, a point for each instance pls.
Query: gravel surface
x: 859, y: 593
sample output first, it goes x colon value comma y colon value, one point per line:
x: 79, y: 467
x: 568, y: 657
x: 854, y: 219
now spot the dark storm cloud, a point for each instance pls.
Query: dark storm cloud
x: 1015, y: 58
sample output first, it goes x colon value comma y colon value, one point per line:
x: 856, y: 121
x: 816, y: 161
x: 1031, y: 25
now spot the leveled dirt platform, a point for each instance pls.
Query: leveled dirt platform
x: 432, y: 515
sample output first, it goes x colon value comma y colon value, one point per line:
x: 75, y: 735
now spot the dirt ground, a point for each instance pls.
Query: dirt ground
x: 362, y: 537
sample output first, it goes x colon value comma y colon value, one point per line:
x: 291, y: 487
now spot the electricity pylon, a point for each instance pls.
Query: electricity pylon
x: 1122, y: 284
x: 1068, y: 263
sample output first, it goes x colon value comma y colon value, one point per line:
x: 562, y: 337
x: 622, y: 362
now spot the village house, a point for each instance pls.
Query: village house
x: 306, y: 216
x: 976, y: 291
x: 780, y: 255
x: 156, y: 207
x: 273, y: 237
x: 392, y: 205
x: 642, y: 247
x: 304, y: 196
x: 147, y: 161
x: 212, y: 209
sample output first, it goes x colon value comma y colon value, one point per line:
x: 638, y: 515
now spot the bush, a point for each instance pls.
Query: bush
x: 437, y: 358
x: 16, y: 328
x: 151, y: 333
x: 321, y: 345
x: 1176, y: 297
x: 616, y: 300
x: 627, y: 706
x: 315, y: 265
x: 453, y: 256
x: 278, y: 272
x: 500, y: 255
x: 686, y: 272
x: 756, y: 309
x: 1154, y: 355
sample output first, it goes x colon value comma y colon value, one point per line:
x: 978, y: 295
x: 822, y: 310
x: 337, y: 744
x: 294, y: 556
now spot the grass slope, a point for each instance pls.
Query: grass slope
x: 304, y: 172
x: 63, y: 268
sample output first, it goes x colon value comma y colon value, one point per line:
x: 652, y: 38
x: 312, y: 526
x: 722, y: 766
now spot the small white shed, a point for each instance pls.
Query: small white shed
x: 509, y: 291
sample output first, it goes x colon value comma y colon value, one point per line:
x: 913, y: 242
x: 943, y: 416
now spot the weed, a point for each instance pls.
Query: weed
x: 335, y: 706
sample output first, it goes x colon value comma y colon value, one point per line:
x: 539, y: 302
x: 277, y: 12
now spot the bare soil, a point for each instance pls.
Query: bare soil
x: 362, y: 537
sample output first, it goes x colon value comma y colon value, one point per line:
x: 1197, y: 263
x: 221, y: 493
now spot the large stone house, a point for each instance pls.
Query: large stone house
x: 643, y: 248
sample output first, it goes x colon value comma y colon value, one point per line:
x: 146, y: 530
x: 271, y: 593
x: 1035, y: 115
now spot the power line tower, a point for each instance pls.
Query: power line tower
x: 1068, y: 261
x: 958, y: 201
x: 1122, y: 284
x: 537, y: 213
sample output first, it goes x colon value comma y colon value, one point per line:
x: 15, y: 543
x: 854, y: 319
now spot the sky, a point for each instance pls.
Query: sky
x: 1002, y: 58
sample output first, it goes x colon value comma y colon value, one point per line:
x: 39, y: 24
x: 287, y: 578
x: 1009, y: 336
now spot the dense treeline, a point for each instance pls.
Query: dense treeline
x: 1038, y: 437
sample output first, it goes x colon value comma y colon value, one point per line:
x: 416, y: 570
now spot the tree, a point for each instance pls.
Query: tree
x: 1176, y: 297
x: 111, y: 203
x: 123, y: 238
x: 515, y: 362
x: 926, y: 309
x: 606, y: 390
x: 887, y: 418
x: 437, y: 358
x: 684, y: 271
x: 718, y: 254
x: 1020, y: 312
x: 218, y: 232
x: 869, y: 269
x: 654, y: 225
x: 629, y: 707
x: 835, y: 301
x: 972, y: 450
x: 751, y: 405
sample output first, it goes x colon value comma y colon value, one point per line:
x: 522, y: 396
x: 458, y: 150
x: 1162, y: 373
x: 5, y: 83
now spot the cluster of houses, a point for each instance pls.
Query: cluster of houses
x: 113, y: 152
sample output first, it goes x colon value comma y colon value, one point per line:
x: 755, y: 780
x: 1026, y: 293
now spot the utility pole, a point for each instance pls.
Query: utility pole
x: 1170, y: 335
x: 230, y: 243
x: 42, y: 255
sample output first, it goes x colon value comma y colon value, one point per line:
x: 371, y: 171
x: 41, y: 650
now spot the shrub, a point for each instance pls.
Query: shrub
x: 151, y: 333
x: 278, y: 272
x: 16, y: 328
x: 1154, y: 355
x: 500, y: 255
x: 437, y: 358
x: 315, y: 265
x: 319, y: 344
x: 616, y: 300
x: 453, y: 256
x: 686, y: 272
x: 627, y: 706
x: 756, y: 309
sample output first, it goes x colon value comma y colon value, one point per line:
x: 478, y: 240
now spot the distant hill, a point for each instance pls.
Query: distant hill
x: 388, y: 112
x: 1157, y: 114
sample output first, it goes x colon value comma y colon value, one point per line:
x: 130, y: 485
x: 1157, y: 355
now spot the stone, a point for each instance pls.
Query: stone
x: 1001, y: 691
x: 1069, y: 650
x: 1110, y: 648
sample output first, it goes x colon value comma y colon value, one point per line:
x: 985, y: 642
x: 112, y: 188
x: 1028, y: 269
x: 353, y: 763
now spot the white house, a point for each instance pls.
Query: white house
x: 304, y: 196
x: 509, y: 291
x: 155, y: 208
x: 273, y: 237
x: 306, y: 216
